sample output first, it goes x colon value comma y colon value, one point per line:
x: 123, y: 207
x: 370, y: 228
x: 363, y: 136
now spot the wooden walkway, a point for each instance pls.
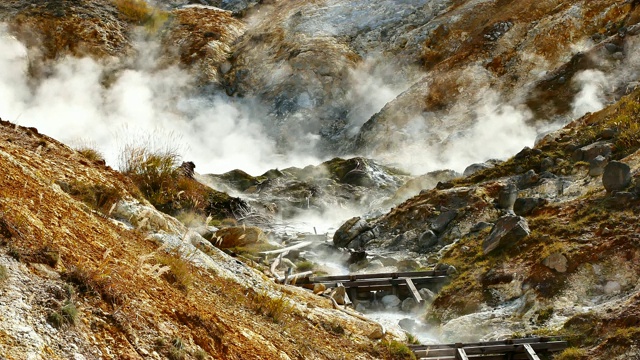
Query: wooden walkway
x: 527, y: 348
x: 406, y: 282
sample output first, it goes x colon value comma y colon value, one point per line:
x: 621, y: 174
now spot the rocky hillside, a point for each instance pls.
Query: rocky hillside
x: 90, y: 270
x: 545, y: 243
x: 98, y: 263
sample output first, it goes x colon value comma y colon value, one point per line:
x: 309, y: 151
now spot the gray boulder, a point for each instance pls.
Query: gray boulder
x: 507, y: 196
x: 525, y: 206
x: 390, y: 301
x: 426, y: 294
x: 427, y: 240
x: 474, y: 168
x: 616, y: 176
x: 443, y: 220
x: 597, y: 165
x: 590, y: 152
x: 508, y: 229
x: 408, y: 305
x: 349, y: 231
x: 547, y: 163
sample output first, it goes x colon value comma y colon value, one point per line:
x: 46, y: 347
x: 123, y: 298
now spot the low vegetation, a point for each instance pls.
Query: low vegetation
x: 274, y: 308
x: 139, y: 12
x: 571, y: 353
x: 90, y: 153
x: 398, y: 350
x: 98, y: 282
x: 66, y: 315
x: 180, y: 271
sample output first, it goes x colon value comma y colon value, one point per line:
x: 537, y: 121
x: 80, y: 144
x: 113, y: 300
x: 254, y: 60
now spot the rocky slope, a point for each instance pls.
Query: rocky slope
x: 90, y: 270
x: 544, y: 243
x: 535, y: 244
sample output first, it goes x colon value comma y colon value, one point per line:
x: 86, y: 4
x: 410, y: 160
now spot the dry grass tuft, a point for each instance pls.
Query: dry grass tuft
x: 180, y: 271
x: 97, y: 282
x: 90, y: 154
x: 273, y: 308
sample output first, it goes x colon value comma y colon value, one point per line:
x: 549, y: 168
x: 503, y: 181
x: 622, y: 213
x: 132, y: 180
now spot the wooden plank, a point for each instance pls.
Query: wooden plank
x: 461, y: 354
x: 382, y: 282
x: 395, y: 275
x: 478, y: 357
x: 293, y: 247
x: 531, y: 354
x: 414, y: 291
x: 486, y: 343
x: 491, y: 349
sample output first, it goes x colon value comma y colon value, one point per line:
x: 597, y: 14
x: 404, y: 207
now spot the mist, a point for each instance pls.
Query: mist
x: 84, y: 101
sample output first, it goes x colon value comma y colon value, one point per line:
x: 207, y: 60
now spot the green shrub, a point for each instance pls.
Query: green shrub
x: 398, y: 350
x: 67, y: 315
x: 305, y: 266
x: 571, y: 353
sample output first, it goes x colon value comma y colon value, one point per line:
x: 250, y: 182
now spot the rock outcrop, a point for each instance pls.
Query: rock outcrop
x: 508, y: 230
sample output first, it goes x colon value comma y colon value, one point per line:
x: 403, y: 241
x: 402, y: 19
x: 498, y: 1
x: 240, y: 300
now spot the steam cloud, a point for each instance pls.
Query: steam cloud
x: 74, y: 106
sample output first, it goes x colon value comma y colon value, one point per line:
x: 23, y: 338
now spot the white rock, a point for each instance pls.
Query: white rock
x: 612, y: 287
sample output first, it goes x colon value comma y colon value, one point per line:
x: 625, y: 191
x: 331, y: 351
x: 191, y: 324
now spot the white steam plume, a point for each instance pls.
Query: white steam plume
x: 591, y: 96
x: 73, y: 105
x: 372, y: 87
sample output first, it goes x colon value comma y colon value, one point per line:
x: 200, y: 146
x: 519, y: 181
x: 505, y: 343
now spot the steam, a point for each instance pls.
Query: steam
x: 372, y: 87
x: 591, y: 96
x: 84, y: 101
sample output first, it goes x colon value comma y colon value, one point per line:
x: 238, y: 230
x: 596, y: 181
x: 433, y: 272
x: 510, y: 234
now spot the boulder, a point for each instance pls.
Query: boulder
x: 390, y: 301
x: 616, y: 176
x: 238, y: 236
x: 590, y: 152
x: 527, y: 179
x: 508, y: 229
x: 547, y: 163
x: 443, y: 220
x: 426, y: 294
x: 319, y: 288
x: 349, y: 231
x: 612, y: 287
x: 556, y: 261
x: 507, y: 196
x: 408, y: 324
x: 408, y: 304
x: 408, y: 265
x: 597, y: 165
x: 427, y: 240
x: 474, y: 168
x: 525, y: 206
x: 339, y: 294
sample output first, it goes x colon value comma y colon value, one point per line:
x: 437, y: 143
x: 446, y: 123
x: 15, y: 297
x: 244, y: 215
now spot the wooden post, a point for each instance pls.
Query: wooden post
x: 414, y: 292
x: 461, y: 355
x: 353, y: 294
x: 531, y: 355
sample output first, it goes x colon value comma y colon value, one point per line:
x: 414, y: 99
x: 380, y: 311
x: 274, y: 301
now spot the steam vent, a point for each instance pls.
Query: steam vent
x: 327, y: 179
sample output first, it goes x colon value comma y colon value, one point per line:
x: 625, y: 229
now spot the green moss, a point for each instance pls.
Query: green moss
x: 571, y: 353
x: 398, y: 350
